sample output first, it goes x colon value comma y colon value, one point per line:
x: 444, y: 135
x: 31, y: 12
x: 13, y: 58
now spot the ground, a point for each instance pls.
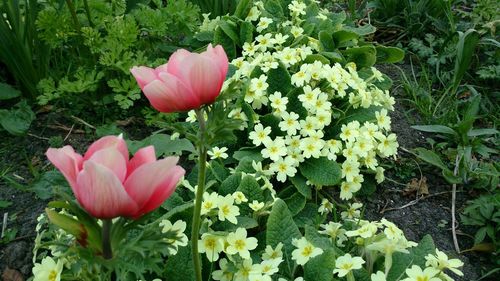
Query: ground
x: 22, y: 157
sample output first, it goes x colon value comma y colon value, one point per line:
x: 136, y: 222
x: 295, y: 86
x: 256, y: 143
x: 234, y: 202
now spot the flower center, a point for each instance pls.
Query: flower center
x: 52, y: 275
x: 307, y: 251
x: 239, y: 245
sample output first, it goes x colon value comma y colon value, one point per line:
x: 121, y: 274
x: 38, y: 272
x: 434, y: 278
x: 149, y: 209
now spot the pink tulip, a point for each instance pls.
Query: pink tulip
x: 187, y: 81
x: 107, y: 184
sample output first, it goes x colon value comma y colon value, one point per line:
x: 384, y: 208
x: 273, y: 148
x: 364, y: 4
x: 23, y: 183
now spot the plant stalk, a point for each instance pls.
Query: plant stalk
x: 202, y: 163
x: 453, y: 203
x: 107, y: 252
x: 72, y: 10
x: 87, y: 12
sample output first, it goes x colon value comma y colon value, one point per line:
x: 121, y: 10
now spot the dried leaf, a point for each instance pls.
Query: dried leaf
x: 416, y: 186
x: 12, y: 275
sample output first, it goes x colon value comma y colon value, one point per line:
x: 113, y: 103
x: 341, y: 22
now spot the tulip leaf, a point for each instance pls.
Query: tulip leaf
x: 321, y: 171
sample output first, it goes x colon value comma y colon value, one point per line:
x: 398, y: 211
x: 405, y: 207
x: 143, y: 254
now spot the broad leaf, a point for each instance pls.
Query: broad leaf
x: 8, y: 92
x: 321, y: 171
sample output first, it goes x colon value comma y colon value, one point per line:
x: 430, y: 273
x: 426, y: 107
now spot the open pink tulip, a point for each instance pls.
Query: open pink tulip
x: 187, y: 81
x: 108, y: 184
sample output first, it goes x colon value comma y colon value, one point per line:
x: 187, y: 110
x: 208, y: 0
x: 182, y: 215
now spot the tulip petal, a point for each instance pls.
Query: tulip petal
x: 150, y: 184
x: 101, y: 193
x: 107, y: 142
x: 144, y: 75
x: 219, y: 55
x: 203, y: 76
x: 169, y: 94
x: 142, y: 156
x: 176, y: 60
x: 67, y: 161
x: 113, y: 160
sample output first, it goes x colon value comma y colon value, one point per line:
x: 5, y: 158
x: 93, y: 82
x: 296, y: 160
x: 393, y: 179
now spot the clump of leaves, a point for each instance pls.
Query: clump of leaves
x: 484, y: 214
x: 103, y: 48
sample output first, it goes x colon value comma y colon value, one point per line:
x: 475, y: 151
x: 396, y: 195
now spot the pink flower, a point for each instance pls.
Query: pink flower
x: 107, y: 184
x: 187, y: 81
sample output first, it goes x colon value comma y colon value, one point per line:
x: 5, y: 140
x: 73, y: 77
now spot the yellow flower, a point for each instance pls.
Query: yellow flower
x: 415, y: 273
x: 347, y: 263
x: 440, y: 261
x: 305, y: 251
x: 238, y: 243
x: 48, y: 270
x: 212, y: 245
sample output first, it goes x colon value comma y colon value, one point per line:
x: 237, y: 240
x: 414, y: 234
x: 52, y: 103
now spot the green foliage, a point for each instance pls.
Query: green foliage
x: 21, y: 50
x: 164, y: 145
x: 321, y: 171
x: 416, y: 257
x: 103, y: 48
x: 281, y: 228
x: 17, y: 120
x: 484, y: 214
x: 462, y: 144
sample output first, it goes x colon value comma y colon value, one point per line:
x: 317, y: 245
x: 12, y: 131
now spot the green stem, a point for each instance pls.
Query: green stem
x: 87, y: 12
x: 202, y: 163
x: 72, y: 10
x: 350, y: 276
x: 107, y: 252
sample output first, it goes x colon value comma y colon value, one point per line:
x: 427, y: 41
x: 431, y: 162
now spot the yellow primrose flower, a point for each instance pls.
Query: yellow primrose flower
x: 347, y: 263
x: 239, y: 197
x: 325, y: 207
x: 224, y: 273
x: 260, y: 134
x: 379, y: 276
x: 440, y: 261
x: 210, y: 202
x: 352, y: 212
x: 305, y: 251
x: 415, y: 273
x: 227, y: 209
x: 48, y: 270
x: 212, y: 245
x: 218, y: 153
x: 256, y: 205
x: 238, y: 243
x: 383, y: 121
x: 270, y: 253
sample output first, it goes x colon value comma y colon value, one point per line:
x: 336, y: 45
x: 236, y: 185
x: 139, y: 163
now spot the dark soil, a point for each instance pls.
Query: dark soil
x: 431, y: 214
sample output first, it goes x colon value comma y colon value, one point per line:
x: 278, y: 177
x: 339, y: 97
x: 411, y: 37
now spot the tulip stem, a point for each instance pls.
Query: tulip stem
x: 202, y: 165
x: 107, y: 252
